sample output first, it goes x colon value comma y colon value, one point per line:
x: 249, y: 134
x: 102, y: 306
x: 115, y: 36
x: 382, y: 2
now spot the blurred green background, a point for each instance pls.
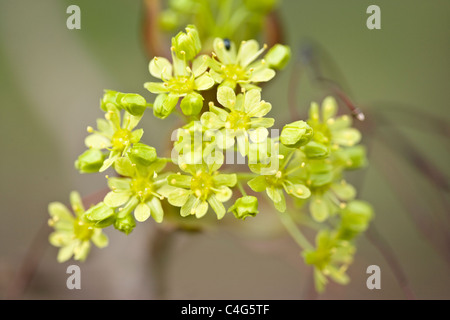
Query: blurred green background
x: 51, y: 80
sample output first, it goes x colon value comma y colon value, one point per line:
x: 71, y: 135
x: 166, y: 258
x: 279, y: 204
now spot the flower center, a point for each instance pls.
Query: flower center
x: 121, y: 139
x: 143, y: 188
x: 202, y: 184
x: 181, y: 85
x: 235, y: 72
x: 82, y: 230
x: 322, y: 133
x: 238, y: 120
x: 276, y: 179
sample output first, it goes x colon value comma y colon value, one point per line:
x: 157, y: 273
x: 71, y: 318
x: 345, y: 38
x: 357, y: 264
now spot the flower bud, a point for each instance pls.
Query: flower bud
x: 164, y: 105
x: 125, y: 224
x: 355, y: 219
x: 90, y: 161
x: 296, y: 134
x: 278, y: 56
x: 99, y: 212
x: 315, y: 150
x: 192, y: 104
x: 142, y: 154
x: 187, y: 45
x: 244, y: 207
x: 133, y: 103
x: 109, y: 97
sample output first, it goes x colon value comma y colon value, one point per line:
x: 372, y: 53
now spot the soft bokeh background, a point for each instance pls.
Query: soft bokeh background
x: 52, y: 78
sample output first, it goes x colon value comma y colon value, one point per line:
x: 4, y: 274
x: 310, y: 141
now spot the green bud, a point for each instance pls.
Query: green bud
x: 187, y: 45
x: 164, y: 105
x: 192, y: 104
x: 315, y: 150
x: 133, y: 103
x: 278, y: 56
x: 355, y: 218
x: 99, y: 212
x: 296, y: 134
x: 142, y: 154
x: 109, y: 97
x: 90, y: 161
x: 244, y: 207
x: 125, y: 224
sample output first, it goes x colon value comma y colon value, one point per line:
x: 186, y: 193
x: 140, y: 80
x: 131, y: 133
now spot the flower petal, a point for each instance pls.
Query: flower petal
x: 258, y: 135
x: 258, y: 184
x: 274, y: 193
x: 200, y: 64
x: 211, y: 120
x: 160, y: 68
x: 252, y: 99
x: 248, y: 52
x: 201, y: 209
x: 242, y: 143
x: 226, y: 97
x: 156, y: 209
x: 119, y: 184
x: 81, y: 251
x: 179, y: 180
x: 97, y: 141
x: 204, y: 82
x: 113, y: 156
x: 222, y: 113
x: 346, y: 137
x: 223, y: 193
x: 66, y: 252
x: 259, y: 109
x: 60, y: 239
x: 156, y: 87
x: 125, y: 167
x: 186, y: 209
x: 116, y: 199
x: 100, y: 239
x: 329, y: 108
x: 179, y: 197
x: 319, y: 209
x: 217, y: 206
x: 142, y: 212
x: 224, y: 179
x: 262, y: 75
x: 344, y: 191
x: 299, y: 190
x: 225, y: 56
x: 59, y: 211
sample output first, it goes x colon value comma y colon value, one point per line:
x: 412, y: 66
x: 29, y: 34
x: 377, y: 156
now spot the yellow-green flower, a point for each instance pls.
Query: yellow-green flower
x: 287, y: 177
x: 330, y: 130
x: 137, y: 190
x: 204, y: 186
x: 331, y: 258
x: 230, y: 67
x: 242, y: 117
x: 114, y: 134
x: 73, y: 233
x: 181, y: 78
x: 194, y: 144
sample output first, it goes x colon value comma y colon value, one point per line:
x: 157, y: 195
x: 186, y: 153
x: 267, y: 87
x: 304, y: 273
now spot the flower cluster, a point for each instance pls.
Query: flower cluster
x: 302, y: 168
